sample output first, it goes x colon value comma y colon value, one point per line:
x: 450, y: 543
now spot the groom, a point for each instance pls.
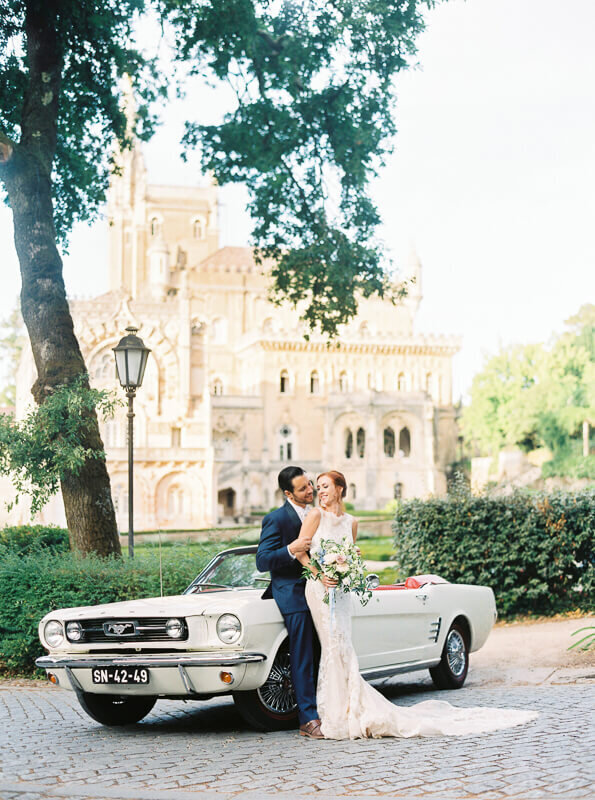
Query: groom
x: 277, y: 550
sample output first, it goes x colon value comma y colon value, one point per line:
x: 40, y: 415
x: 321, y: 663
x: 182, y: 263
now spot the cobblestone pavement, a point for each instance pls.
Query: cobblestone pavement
x: 50, y: 749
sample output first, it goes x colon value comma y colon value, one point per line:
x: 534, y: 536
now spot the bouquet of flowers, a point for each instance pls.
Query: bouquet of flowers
x: 341, y: 562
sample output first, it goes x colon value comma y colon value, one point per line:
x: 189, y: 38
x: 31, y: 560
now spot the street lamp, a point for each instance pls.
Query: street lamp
x: 131, y: 360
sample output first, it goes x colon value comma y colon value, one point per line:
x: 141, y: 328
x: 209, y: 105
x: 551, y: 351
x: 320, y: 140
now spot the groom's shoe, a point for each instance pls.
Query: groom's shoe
x: 311, y: 729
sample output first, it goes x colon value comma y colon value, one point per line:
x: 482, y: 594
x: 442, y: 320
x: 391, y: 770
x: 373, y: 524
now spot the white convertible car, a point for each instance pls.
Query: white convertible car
x: 221, y: 637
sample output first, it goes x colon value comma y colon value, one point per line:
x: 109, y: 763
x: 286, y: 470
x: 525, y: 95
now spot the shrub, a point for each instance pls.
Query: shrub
x: 570, y: 465
x: 33, y: 584
x: 27, y: 538
x: 534, y: 550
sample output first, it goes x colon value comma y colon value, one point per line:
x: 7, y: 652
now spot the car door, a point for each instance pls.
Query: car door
x: 396, y: 626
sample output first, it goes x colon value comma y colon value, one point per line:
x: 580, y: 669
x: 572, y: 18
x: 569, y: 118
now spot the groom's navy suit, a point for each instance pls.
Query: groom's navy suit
x: 280, y: 528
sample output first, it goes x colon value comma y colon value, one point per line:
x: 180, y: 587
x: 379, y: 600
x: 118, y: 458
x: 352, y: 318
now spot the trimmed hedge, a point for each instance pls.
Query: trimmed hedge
x: 536, y: 551
x: 33, y: 584
x: 28, y: 538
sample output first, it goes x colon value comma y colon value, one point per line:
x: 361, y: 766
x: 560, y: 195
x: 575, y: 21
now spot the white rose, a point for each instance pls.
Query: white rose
x: 342, y: 568
x: 330, y: 558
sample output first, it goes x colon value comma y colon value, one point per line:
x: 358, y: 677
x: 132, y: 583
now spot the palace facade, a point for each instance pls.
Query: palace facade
x: 233, y: 391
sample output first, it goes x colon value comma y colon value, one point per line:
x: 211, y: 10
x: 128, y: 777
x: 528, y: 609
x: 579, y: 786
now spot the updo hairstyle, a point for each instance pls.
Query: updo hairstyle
x: 339, y: 480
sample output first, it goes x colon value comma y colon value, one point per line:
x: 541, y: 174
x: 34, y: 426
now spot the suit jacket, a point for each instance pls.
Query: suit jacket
x: 279, y: 528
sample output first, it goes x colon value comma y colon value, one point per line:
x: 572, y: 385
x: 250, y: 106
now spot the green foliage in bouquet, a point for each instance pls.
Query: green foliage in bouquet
x: 341, y: 562
x: 536, y: 551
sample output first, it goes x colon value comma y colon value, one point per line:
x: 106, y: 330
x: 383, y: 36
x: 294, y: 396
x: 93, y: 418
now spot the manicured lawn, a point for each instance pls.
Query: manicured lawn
x: 380, y: 548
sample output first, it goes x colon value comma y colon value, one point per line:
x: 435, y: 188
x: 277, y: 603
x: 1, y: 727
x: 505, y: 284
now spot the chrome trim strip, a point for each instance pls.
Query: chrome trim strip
x: 74, y: 682
x: 396, y: 669
x: 186, y: 680
x: 215, y: 659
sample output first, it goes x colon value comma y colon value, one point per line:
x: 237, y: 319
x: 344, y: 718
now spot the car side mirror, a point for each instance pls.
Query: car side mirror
x: 372, y: 581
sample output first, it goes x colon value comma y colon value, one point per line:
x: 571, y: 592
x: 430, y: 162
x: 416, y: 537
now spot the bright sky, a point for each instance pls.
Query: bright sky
x: 492, y: 179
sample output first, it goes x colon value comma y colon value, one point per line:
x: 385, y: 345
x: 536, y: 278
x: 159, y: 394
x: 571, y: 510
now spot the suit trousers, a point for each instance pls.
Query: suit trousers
x: 304, y: 651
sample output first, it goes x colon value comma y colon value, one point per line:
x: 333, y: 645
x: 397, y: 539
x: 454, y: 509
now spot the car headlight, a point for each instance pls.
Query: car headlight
x: 229, y: 628
x: 174, y: 628
x: 74, y: 631
x: 53, y: 633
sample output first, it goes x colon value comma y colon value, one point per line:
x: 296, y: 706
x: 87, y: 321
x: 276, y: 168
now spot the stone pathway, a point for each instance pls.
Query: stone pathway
x: 50, y: 749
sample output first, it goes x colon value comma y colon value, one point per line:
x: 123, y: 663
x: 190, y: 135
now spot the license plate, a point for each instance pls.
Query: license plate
x: 119, y: 675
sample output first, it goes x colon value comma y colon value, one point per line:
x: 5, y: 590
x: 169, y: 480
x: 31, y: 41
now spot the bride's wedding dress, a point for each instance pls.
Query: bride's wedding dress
x: 349, y: 707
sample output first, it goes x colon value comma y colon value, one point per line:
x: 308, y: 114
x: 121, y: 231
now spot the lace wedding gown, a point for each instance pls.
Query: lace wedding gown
x: 349, y: 707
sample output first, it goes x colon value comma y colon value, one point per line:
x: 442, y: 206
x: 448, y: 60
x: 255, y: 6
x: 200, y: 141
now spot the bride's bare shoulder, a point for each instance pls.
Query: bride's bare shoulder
x: 314, y: 513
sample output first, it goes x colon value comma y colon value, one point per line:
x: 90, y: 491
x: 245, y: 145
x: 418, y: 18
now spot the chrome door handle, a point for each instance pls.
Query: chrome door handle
x: 422, y: 597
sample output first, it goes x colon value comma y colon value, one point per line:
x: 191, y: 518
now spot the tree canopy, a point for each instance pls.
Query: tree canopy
x: 537, y: 394
x: 311, y: 124
x: 314, y: 85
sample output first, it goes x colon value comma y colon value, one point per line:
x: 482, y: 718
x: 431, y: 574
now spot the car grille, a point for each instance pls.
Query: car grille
x: 147, y: 629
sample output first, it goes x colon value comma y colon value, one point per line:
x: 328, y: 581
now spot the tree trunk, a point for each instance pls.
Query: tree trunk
x: 26, y: 172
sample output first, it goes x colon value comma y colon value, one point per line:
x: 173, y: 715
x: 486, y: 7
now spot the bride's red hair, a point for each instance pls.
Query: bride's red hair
x: 339, y: 480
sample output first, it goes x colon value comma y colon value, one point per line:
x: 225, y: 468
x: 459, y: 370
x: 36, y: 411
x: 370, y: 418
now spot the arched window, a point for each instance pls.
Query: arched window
x: 429, y: 383
x: 398, y: 491
x: 175, y: 501
x: 106, y: 367
x: 197, y: 229
x: 314, y: 383
x: 401, y: 384
x: 286, y: 443
x: 364, y: 330
x: 370, y: 381
x: 348, y: 443
x: 389, y: 442
x: 155, y: 226
x: 111, y: 434
x: 360, y: 441
x: 268, y: 326
x: 284, y: 382
x: 352, y: 492
x: 217, y: 387
x: 405, y: 443
x: 343, y: 382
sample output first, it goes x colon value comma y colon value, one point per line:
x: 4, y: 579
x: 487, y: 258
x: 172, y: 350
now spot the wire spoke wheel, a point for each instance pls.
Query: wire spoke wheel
x: 277, y: 694
x: 455, y: 653
x: 451, y: 672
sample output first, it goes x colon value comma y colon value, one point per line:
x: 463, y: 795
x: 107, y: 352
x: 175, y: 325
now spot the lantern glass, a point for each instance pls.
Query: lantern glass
x: 131, y: 360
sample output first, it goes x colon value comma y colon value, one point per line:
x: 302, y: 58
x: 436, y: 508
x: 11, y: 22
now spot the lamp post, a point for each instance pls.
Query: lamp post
x: 131, y: 359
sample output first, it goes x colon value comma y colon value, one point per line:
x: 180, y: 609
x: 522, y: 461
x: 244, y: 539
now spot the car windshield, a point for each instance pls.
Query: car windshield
x: 230, y: 571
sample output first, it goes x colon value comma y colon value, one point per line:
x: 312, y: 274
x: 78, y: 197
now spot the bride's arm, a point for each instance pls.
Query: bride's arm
x: 354, y: 529
x: 307, y: 531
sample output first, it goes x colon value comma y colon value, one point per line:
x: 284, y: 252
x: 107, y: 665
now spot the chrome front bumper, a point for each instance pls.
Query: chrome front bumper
x: 197, y: 673
x: 213, y: 659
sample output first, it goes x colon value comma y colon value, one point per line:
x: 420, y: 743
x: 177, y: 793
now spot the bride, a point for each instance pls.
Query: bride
x: 349, y: 707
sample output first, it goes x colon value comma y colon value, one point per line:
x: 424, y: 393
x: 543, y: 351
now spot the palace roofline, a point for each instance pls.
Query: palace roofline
x: 421, y: 344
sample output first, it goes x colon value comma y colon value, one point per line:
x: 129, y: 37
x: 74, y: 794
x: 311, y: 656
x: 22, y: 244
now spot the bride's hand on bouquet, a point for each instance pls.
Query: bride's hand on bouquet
x: 329, y: 583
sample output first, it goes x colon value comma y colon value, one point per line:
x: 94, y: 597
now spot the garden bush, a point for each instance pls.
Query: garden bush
x: 33, y: 584
x: 27, y: 538
x: 534, y: 550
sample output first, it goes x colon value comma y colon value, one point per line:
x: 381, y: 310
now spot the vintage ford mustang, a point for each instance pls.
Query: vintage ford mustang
x: 221, y: 637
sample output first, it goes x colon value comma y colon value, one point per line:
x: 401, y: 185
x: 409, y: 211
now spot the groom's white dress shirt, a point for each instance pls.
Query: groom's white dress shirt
x: 302, y: 512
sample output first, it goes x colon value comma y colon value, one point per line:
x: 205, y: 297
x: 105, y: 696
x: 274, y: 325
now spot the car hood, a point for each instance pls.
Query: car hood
x: 174, y: 606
